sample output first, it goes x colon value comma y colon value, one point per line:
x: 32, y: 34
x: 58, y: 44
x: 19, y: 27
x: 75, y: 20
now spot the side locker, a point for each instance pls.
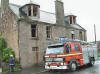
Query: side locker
x: 85, y: 55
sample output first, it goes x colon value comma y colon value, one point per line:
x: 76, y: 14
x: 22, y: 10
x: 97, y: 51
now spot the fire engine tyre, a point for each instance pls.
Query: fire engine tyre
x: 73, y: 66
x: 92, y: 61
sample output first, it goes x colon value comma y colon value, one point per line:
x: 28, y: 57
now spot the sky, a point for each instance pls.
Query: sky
x: 87, y: 12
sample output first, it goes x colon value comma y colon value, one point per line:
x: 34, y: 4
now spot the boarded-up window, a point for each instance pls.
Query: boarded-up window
x: 34, y: 30
x: 48, y: 32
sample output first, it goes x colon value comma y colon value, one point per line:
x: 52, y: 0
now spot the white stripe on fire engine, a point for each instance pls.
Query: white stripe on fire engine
x: 66, y: 55
x: 69, y: 54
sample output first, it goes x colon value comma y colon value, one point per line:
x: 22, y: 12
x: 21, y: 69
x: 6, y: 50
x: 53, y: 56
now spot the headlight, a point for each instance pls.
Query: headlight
x: 61, y: 63
x: 46, y: 63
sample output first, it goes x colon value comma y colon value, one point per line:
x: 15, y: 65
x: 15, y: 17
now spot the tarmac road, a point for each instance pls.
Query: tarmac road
x: 82, y: 70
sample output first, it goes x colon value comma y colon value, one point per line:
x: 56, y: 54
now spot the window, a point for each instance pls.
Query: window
x: 77, y: 48
x: 67, y: 48
x: 72, y: 34
x: 29, y: 11
x: 34, y: 48
x: 74, y: 20
x: 34, y: 30
x: 48, y: 32
x: 80, y: 35
x: 70, y: 19
x: 35, y: 11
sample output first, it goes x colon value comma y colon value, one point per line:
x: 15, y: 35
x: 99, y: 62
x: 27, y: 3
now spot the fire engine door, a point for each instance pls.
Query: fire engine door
x: 67, y: 49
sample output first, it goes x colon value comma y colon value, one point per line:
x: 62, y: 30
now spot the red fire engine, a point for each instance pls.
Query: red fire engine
x: 69, y: 55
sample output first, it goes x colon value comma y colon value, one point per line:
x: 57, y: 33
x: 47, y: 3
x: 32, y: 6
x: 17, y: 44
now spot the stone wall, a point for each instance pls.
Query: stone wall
x: 9, y: 30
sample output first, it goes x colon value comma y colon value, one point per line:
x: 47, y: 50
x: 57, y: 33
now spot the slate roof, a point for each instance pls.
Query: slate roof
x: 46, y: 17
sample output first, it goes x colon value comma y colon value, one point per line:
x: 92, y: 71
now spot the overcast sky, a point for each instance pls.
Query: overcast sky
x: 87, y: 12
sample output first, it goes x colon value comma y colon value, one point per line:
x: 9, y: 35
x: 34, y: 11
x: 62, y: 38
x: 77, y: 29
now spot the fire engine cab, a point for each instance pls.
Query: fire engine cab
x: 69, y: 55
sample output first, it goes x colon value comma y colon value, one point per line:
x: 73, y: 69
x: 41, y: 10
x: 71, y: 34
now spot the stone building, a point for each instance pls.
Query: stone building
x: 27, y: 29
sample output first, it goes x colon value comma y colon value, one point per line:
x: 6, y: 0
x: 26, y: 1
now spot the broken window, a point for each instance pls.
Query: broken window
x: 34, y: 30
x: 48, y: 32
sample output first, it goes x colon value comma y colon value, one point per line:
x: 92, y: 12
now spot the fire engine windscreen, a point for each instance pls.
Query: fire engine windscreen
x: 57, y: 49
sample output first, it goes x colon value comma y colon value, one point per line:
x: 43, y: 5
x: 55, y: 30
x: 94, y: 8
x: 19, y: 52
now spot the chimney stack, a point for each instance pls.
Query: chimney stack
x: 59, y: 12
x: 4, y: 5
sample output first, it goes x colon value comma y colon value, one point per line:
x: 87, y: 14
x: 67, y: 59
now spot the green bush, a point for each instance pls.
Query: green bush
x: 6, y: 54
x: 2, y: 44
x: 99, y: 54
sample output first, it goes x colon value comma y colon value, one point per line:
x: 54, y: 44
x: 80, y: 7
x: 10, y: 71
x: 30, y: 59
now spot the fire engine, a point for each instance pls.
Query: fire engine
x: 69, y: 55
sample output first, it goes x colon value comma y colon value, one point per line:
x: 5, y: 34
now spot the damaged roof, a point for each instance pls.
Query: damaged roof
x: 46, y: 17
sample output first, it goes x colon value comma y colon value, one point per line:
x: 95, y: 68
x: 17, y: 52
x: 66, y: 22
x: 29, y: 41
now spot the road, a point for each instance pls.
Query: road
x: 83, y: 70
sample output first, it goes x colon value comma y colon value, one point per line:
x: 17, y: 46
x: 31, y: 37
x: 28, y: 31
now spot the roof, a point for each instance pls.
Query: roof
x: 57, y: 44
x: 33, y: 2
x: 76, y: 26
x: 46, y: 17
x: 15, y: 9
x: 69, y: 14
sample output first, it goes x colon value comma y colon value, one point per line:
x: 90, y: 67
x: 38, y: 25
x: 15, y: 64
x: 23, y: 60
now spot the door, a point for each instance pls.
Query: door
x: 36, y: 55
x: 67, y: 49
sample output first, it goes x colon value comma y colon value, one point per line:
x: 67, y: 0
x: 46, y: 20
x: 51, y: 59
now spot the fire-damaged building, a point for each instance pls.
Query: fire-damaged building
x: 27, y: 29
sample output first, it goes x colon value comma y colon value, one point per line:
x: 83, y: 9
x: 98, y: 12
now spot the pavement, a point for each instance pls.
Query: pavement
x: 32, y: 70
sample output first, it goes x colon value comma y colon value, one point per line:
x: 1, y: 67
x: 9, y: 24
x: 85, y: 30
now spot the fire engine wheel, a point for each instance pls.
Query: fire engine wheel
x: 92, y: 61
x: 73, y: 66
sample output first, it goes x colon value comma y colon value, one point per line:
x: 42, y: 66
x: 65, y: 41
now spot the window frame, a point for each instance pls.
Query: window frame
x: 80, y: 35
x: 29, y: 13
x: 32, y: 10
x: 49, y: 32
x: 67, y: 48
x: 36, y: 31
x: 78, y: 48
x: 71, y: 21
x: 35, y: 49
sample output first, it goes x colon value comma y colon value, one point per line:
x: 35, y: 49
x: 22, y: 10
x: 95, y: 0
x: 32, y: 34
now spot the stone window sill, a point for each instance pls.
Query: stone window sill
x: 34, y: 38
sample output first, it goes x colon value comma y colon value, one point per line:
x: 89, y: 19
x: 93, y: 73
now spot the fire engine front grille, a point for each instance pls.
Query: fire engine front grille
x: 54, y: 59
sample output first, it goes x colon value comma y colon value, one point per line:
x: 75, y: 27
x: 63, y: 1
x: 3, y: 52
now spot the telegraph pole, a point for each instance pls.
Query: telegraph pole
x: 95, y: 32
